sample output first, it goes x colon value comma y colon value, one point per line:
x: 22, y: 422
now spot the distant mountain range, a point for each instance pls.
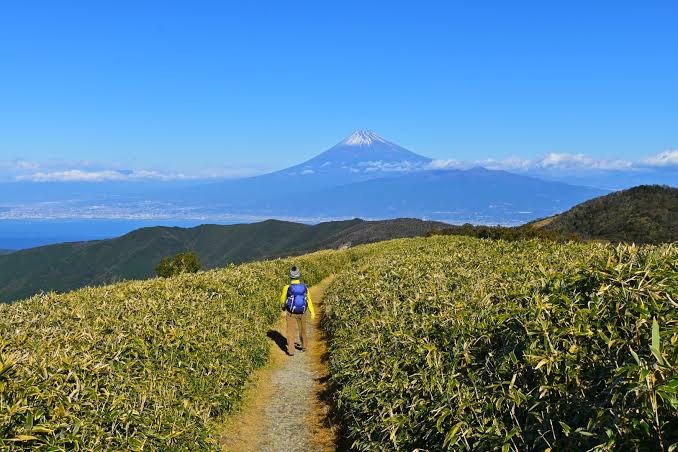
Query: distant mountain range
x: 362, y: 156
x: 476, y: 195
x: 364, y: 175
x: 68, y: 266
x: 646, y: 214
x: 368, y: 176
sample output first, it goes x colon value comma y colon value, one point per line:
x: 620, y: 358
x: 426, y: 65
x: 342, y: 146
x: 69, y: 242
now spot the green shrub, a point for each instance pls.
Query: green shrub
x: 145, y: 364
x: 451, y: 343
x: 187, y: 262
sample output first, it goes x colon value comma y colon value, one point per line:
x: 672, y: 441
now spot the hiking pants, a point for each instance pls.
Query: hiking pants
x: 295, y: 321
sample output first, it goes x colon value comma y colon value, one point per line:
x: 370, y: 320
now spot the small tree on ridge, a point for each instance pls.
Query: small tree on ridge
x: 187, y: 262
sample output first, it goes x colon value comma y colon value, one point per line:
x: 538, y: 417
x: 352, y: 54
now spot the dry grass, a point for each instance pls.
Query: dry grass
x: 545, y: 222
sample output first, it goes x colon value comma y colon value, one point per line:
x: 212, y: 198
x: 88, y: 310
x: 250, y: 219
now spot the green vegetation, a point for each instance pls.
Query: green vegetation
x: 448, y: 343
x: 510, y: 234
x: 644, y: 214
x: 435, y: 343
x: 144, y: 364
x: 187, y: 262
x: 69, y: 266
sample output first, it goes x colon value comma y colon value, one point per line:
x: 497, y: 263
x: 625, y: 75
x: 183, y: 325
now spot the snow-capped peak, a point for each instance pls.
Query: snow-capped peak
x: 363, y: 138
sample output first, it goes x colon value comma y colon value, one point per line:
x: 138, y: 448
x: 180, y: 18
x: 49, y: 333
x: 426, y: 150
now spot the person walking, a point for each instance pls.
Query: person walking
x: 296, y: 299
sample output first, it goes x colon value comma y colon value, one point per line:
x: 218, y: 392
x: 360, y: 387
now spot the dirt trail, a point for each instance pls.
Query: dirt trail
x: 284, y: 411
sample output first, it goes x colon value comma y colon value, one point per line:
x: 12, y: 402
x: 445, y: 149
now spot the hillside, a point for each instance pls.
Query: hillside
x: 451, y: 343
x: 69, y: 266
x: 643, y: 214
x: 140, y: 365
x: 461, y: 344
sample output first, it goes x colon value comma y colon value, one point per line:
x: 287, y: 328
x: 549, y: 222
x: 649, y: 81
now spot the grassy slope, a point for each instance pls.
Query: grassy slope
x: 458, y: 343
x: 150, y: 363
x: 142, y: 363
x: 644, y: 214
x: 133, y: 256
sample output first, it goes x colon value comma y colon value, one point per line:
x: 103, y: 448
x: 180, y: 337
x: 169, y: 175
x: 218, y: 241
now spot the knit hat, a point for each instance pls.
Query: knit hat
x: 295, y: 273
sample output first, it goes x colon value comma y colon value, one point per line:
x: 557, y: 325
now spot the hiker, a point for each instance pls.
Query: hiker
x: 295, y: 299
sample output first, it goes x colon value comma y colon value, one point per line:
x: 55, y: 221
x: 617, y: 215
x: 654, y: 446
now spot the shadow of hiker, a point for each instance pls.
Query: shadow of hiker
x: 279, y: 339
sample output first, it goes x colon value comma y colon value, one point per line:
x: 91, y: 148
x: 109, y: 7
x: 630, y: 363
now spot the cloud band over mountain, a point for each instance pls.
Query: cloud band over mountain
x: 563, y: 160
x: 27, y: 171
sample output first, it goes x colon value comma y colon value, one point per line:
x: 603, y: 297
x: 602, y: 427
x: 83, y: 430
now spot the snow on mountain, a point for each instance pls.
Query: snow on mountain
x: 361, y: 156
x: 362, y: 138
x: 363, y: 152
x: 367, y: 175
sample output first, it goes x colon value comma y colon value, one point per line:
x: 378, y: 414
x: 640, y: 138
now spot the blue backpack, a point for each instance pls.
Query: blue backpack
x: 296, y: 298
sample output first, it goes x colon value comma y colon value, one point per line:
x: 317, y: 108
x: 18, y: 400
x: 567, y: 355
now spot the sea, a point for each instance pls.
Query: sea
x: 22, y: 234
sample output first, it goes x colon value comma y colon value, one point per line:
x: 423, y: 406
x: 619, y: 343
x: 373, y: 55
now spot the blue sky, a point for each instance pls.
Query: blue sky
x: 200, y: 87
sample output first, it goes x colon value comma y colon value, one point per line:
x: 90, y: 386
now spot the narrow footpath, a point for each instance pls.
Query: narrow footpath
x: 284, y: 410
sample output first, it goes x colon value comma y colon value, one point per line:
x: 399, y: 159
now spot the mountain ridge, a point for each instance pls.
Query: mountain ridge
x: 361, y: 156
x: 362, y: 148
x: 642, y: 214
x: 645, y: 214
x: 68, y: 266
x: 478, y: 195
x: 346, y: 180
x: 366, y: 175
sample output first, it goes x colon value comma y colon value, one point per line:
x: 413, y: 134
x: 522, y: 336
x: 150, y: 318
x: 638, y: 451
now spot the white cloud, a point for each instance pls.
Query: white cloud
x: 445, y: 164
x: 227, y: 173
x: 560, y: 160
x: 379, y: 165
x: 512, y: 163
x: 17, y: 165
x: 26, y: 165
x: 556, y: 160
x: 580, y: 161
x: 65, y: 171
x: 663, y: 159
x: 77, y: 175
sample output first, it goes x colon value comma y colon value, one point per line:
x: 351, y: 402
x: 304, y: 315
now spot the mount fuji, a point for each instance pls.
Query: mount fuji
x: 361, y: 156
x: 366, y: 175
x: 364, y: 154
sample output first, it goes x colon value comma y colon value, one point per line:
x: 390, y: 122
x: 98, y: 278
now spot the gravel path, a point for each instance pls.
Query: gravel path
x: 284, y: 409
x: 285, y: 425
